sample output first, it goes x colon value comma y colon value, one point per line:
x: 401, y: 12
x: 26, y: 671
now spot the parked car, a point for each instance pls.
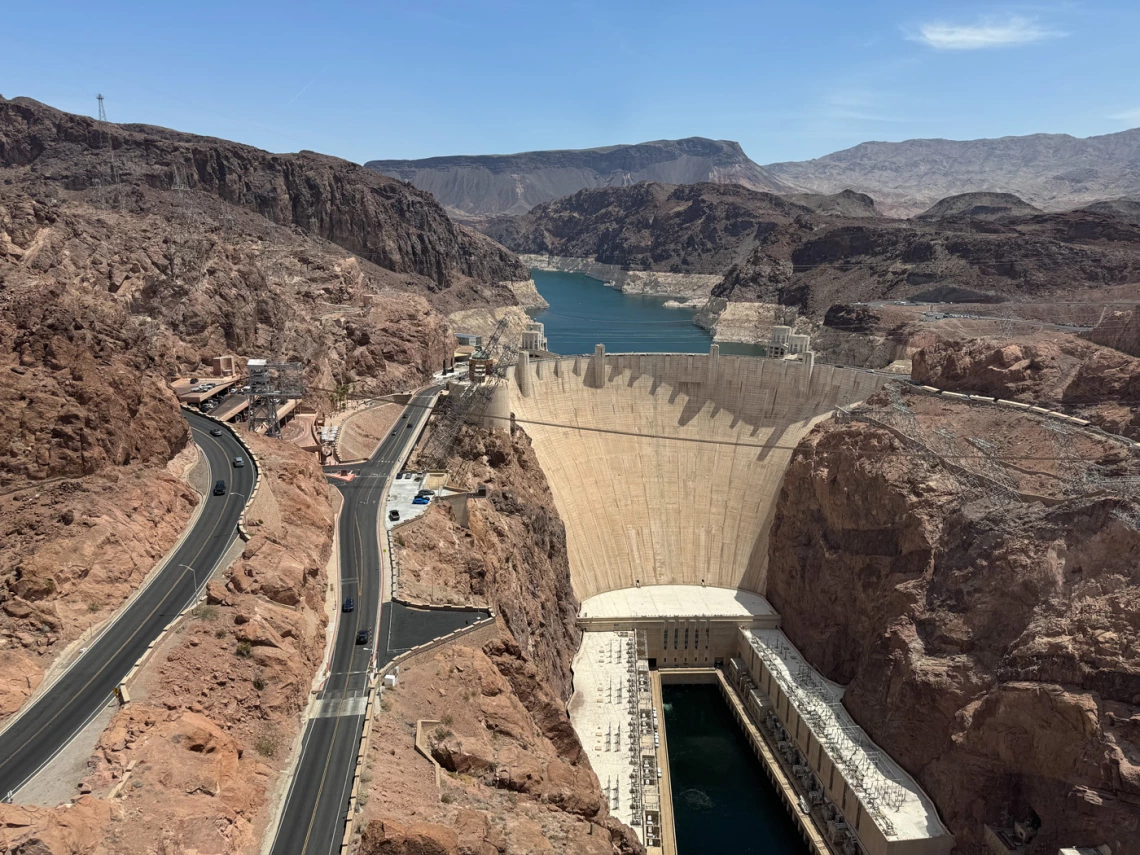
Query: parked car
x: 421, y: 500
x: 349, y: 605
x: 394, y: 515
x: 238, y: 463
x: 426, y: 493
x: 220, y: 488
x: 215, y: 431
x: 363, y: 636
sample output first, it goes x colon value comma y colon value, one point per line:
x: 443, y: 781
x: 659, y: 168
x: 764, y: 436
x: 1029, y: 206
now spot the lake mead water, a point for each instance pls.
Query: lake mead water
x: 722, y: 800
x: 584, y: 312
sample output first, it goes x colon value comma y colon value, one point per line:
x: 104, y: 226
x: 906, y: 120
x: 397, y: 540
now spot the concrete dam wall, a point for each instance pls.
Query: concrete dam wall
x: 666, y: 468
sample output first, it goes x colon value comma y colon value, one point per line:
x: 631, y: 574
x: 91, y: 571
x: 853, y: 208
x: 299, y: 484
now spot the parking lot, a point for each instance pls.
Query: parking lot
x: 404, y: 489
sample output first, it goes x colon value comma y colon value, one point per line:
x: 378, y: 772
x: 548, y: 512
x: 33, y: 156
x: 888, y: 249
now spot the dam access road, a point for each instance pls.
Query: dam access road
x: 314, y: 815
x: 51, y: 721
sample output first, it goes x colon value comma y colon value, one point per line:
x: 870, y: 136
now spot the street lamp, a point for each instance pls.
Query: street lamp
x: 194, y: 575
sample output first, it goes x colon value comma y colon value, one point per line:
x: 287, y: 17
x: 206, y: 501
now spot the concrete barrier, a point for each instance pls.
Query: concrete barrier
x: 242, y: 530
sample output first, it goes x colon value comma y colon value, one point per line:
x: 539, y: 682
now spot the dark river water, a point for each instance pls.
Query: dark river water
x: 722, y: 801
x: 584, y: 312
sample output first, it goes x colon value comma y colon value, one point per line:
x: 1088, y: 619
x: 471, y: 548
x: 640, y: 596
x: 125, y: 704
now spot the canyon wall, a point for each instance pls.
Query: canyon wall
x: 514, y: 775
x: 988, y: 641
x: 380, y: 219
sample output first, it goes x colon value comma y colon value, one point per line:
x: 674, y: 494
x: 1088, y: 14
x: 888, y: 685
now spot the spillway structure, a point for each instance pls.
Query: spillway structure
x: 666, y: 470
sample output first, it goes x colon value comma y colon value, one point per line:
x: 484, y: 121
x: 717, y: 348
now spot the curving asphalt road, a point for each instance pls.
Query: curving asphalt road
x: 49, y: 723
x: 314, y: 815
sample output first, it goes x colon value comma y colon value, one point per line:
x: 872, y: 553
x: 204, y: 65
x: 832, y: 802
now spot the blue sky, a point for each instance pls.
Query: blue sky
x: 789, y: 80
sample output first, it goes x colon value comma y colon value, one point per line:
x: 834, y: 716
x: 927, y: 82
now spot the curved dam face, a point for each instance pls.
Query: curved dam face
x: 665, y: 468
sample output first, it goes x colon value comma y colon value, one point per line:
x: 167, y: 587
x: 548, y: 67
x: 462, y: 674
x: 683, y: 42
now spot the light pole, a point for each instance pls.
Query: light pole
x: 194, y: 575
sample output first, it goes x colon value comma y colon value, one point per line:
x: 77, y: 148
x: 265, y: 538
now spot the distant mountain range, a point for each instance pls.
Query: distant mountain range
x: 480, y: 185
x: 1053, y: 172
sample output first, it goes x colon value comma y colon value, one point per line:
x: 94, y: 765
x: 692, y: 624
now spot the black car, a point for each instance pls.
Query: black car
x: 394, y: 515
x: 349, y: 605
x: 363, y: 636
x: 220, y: 488
x: 410, y: 425
x: 215, y: 431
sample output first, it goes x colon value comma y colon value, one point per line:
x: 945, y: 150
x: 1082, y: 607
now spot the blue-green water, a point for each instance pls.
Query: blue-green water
x: 722, y: 800
x: 584, y: 312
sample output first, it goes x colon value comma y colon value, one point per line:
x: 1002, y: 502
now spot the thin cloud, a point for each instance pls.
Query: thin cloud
x: 1132, y: 116
x: 987, y: 32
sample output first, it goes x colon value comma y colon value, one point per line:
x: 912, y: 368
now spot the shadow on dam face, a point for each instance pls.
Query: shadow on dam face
x: 666, y: 468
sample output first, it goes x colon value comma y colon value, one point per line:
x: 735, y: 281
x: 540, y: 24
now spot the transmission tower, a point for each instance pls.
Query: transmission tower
x: 271, y: 384
x: 117, y: 199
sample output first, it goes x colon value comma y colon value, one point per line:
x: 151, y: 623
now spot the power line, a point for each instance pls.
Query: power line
x: 778, y: 446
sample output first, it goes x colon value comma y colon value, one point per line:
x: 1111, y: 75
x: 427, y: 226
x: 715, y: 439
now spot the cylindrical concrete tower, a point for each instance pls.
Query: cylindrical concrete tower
x: 522, y: 374
x: 498, y: 412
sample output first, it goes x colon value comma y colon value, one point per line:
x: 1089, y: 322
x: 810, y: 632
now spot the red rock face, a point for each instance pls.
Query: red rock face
x: 383, y: 220
x: 990, y: 644
x: 1056, y: 371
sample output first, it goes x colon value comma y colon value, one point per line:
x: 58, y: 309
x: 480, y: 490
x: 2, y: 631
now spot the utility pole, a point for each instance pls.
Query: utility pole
x: 118, y: 199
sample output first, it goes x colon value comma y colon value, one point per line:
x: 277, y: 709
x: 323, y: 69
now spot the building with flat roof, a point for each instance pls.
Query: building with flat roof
x: 861, y: 794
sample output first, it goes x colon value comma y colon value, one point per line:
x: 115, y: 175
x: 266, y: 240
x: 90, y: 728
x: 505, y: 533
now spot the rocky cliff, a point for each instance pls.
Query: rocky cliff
x: 384, y: 221
x: 1052, y: 171
x: 485, y: 185
x: 987, y: 639
x: 770, y: 249
x: 1055, y: 371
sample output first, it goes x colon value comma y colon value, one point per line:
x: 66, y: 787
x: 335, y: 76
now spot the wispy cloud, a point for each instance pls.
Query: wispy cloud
x: 986, y: 32
x: 1132, y: 117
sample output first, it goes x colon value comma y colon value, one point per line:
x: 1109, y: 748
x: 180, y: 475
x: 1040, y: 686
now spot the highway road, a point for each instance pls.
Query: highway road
x: 313, y: 819
x: 52, y: 720
x: 314, y: 814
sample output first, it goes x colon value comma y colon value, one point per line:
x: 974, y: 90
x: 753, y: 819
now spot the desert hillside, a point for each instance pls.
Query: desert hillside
x: 1052, y: 171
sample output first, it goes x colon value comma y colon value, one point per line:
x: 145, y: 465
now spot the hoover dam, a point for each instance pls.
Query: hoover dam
x: 666, y: 470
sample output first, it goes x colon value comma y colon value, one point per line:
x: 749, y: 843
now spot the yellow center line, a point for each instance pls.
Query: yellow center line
x: 130, y: 638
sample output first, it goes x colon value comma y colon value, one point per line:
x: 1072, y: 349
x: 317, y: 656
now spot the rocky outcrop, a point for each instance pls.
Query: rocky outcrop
x: 382, y: 220
x: 1119, y: 329
x: 497, y: 716
x: 987, y: 641
x: 697, y: 228
x: 1057, y: 371
x: 770, y: 249
x: 484, y: 185
x: 979, y: 206
x: 511, y: 557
